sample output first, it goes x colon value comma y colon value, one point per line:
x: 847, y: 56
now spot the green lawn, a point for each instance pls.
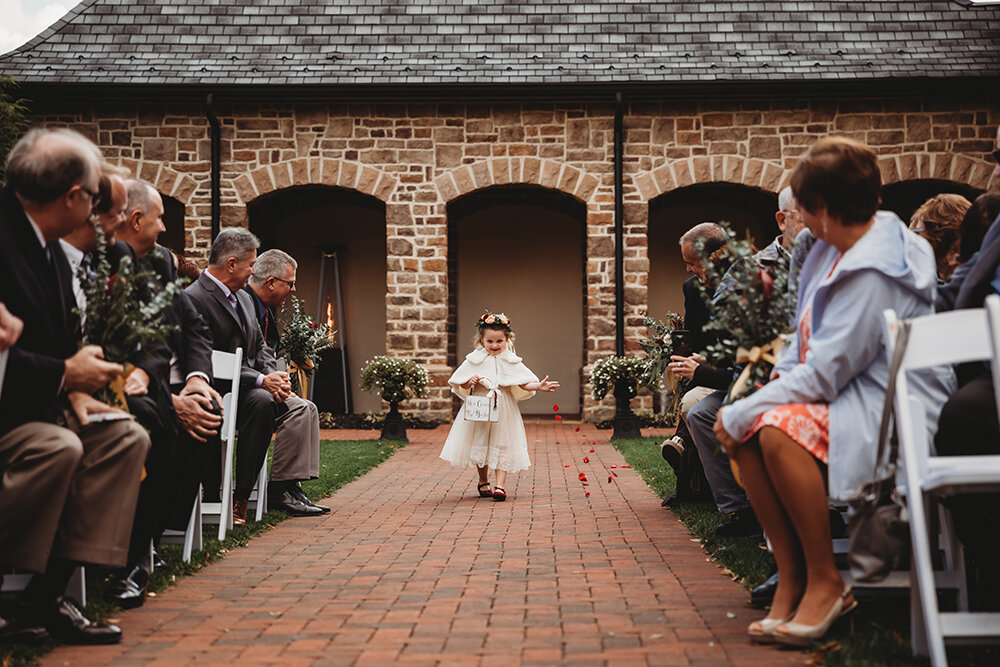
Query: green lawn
x: 341, y: 461
x: 877, y: 634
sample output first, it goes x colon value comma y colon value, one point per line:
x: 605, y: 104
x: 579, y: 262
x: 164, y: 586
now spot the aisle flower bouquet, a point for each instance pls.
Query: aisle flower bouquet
x: 123, y: 312
x: 750, y: 310
x: 607, y: 371
x: 302, y: 339
x: 394, y: 379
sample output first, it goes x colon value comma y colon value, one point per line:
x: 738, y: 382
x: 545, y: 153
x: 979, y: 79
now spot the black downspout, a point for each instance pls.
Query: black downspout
x: 216, y: 136
x: 626, y: 424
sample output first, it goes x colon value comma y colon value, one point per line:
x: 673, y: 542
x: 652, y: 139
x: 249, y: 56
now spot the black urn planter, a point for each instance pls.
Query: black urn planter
x: 626, y: 423
x: 393, y: 427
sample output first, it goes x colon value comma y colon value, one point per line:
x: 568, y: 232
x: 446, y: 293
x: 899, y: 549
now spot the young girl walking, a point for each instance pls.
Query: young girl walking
x: 502, y: 444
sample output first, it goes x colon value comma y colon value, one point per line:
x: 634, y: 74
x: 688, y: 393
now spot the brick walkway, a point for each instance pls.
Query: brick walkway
x: 412, y: 567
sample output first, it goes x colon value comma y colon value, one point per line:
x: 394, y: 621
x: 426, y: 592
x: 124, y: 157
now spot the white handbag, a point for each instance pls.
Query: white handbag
x: 483, y: 408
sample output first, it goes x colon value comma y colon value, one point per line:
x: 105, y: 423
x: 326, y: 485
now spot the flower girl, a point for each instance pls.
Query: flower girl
x: 492, y: 370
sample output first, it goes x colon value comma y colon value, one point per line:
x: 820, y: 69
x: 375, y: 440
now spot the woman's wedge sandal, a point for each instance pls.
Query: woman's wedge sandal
x: 499, y: 495
x: 485, y: 493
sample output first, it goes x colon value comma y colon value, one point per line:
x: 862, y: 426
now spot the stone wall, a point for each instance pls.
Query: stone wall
x: 418, y: 157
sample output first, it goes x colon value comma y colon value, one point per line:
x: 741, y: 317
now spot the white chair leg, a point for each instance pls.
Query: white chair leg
x: 77, y: 587
x: 925, y: 583
x: 262, y: 490
x: 194, y: 524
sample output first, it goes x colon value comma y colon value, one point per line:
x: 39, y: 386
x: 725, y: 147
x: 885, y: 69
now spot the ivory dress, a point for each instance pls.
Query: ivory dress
x: 501, y: 444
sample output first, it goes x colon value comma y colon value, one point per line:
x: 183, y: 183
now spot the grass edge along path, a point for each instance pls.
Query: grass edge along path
x: 341, y: 462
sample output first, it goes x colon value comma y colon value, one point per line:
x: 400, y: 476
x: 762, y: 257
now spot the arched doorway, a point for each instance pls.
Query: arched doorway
x: 173, y: 220
x: 521, y: 249
x: 330, y: 230
x: 905, y: 197
x: 747, y: 209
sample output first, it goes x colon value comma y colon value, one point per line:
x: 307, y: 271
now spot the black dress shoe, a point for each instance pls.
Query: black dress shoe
x: 15, y: 632
x: 287, y: 502
x: 762, y: 596
x: 300, y: 494
x: 64, y: 621
x: 741, y: 524
x: 130, y: 591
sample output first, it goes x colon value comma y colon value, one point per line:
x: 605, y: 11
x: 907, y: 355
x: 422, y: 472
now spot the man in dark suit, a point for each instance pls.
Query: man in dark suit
x: 219, y: 297
x: 70, y: 482
x: 296, y: 438
x: 169, y: 489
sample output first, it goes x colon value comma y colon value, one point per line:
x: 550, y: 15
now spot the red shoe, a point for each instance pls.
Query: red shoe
x: 485, y: 493
x: 499, y: 495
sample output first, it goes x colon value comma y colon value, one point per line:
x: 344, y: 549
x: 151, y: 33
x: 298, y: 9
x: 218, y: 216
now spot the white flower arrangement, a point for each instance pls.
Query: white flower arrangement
x: 609, y: 370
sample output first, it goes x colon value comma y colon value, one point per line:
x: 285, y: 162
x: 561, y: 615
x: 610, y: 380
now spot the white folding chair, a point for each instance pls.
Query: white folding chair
x: 225, y: 366
x: 945, y: 338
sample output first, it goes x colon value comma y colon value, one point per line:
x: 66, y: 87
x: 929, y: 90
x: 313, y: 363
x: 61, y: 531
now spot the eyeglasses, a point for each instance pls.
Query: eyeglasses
x: 290, y: 283
x: 95, y: 197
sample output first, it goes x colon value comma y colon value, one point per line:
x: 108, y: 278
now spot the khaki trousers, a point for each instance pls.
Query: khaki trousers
x: 691, y: 398
x: 69, y: 492
x: 296, y: 442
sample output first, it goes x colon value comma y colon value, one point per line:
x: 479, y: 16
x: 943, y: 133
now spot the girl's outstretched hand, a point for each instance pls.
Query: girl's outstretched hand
x: 548, y: 385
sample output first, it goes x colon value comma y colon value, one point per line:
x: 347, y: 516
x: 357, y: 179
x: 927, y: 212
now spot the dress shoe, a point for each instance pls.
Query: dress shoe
x: 672, y: 451
x: 287, y: 502
x: 240, y: 512
x: 798, y: 634
x: 64, y: 621
x: 300, y: 494
x: 130, y: 590
x: 762, y: 596
x: 15, y: 632
x: 742, y: 523
x: 158, y: 562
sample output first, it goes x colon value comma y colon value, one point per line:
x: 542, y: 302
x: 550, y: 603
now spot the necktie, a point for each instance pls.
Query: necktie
x: 88, y: 265
x: 239, y: 313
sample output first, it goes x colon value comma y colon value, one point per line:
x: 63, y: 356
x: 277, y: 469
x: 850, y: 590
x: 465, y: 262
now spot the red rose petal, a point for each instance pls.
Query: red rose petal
x: 586, y: 459
x: 609, y: 478
x: 583, y: 477
x: 591, y: 451
x: 587, y: 494
x: 614, y: 473
x: 565, y: 465
x: 626, y: 466
x: 558, y: 418
x: 555, y: 408
x: 586, y: 484
x: 577, y: 428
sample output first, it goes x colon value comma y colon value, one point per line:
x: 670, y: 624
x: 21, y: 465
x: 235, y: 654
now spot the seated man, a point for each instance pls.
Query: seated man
x: 229, y: 311
x: 296, y: 440
x: 69, y: 485
x: 163, y: 407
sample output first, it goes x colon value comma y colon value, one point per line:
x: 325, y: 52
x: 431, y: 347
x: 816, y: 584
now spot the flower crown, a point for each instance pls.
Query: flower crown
x: 493, y: 321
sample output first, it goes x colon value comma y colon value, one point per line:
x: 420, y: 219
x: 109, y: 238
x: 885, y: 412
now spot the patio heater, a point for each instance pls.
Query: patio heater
x: 331, y: 387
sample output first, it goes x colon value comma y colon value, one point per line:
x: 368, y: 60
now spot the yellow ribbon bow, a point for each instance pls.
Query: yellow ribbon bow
x: 753, y: 356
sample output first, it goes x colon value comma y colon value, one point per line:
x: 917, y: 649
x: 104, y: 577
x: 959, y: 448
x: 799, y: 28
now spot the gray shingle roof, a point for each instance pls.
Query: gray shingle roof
x: 400, y: 42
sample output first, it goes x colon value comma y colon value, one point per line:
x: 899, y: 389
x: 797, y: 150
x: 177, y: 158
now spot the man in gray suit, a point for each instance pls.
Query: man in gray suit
x: 219, y: 297
x: 296, y: 441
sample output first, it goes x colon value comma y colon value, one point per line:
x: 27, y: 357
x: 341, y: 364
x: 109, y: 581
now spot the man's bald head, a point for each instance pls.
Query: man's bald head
x: 47, y: 163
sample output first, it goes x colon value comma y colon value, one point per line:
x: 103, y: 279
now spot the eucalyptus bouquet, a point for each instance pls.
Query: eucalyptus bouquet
x: 750, y: 310
x: 395, y: 379
x: 607, y: 371
x: 302, y: 339
x: 123, y: 312
x: 664, y: 339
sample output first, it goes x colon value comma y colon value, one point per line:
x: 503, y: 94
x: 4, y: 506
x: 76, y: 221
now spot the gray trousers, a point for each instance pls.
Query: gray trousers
x: 296, y: 442
x: 729, y: 497
x: 69, y: 492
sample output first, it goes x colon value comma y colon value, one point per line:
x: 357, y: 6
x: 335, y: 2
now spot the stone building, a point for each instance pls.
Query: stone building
x: 424, y: 161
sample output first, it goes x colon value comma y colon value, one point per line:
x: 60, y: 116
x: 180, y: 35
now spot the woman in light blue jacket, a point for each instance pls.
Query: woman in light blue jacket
x: 821, y: 411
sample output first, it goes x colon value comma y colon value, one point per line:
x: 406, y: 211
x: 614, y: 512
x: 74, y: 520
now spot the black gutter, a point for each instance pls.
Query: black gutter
x: 719, y: 89
x: 216, y: 132
x: 626, y: 424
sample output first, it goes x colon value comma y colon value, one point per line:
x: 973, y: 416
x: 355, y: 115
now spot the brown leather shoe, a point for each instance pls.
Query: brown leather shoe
x: 240, y: 512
